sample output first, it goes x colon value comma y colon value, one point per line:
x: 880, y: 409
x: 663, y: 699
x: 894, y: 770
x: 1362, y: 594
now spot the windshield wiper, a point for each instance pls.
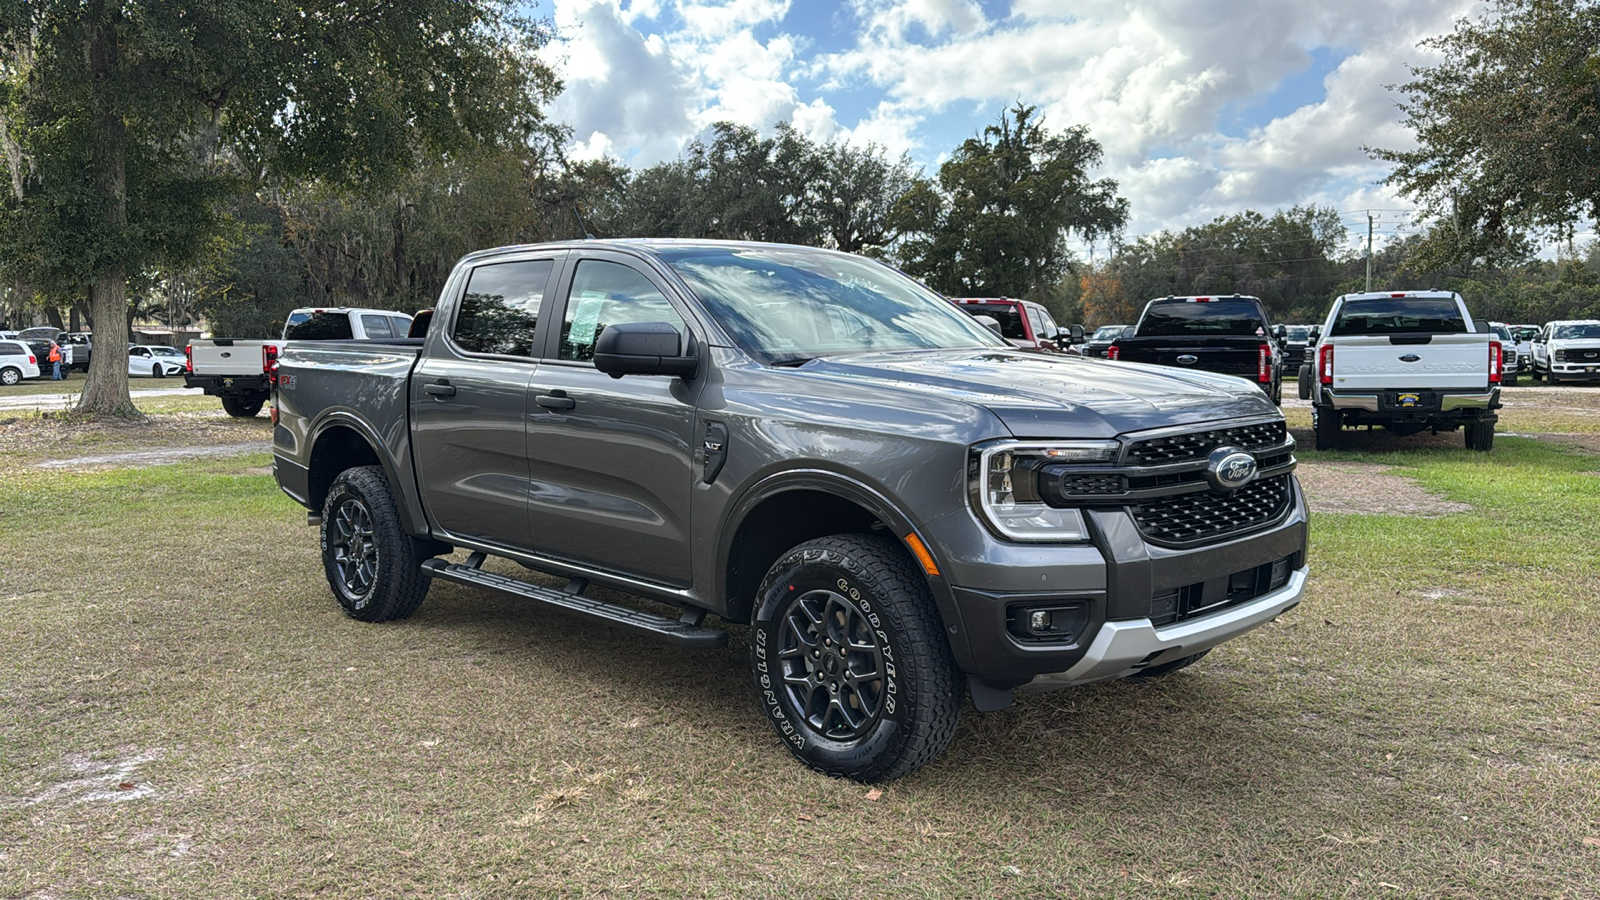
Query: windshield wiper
x: 790, y: 362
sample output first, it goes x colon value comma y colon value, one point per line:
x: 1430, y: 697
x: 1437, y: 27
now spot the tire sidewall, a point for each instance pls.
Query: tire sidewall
x: 792, y: 578
x: 10, y: 377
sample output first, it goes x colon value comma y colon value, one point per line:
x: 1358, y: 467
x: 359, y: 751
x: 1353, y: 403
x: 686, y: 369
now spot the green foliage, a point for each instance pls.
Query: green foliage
x: 1288, y: 259
x: 1505, y: 127
x: 129, y: 121
x: 1005, y: 202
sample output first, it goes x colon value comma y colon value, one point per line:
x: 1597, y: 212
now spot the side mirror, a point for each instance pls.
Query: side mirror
x: 644, y: 348
x: 1316, y: 332
x: 1070, y: 335
x: 1281, y: 332
x: 419, y: 324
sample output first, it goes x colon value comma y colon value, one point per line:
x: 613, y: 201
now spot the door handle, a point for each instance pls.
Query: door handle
x: 555, y: 400
x: 440, y: 389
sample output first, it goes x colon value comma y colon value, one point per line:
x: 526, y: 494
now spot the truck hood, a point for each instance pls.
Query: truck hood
x: 1045, y: 396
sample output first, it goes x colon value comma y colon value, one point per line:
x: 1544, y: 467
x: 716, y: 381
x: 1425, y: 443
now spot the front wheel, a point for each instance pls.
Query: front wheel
x: 158, y: 371
x: 850, y: 659
x: 370, y: 561
x: 1509, y: 380
x: 240, y: 408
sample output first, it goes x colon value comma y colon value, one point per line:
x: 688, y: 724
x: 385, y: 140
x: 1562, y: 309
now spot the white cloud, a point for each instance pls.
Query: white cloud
x: 1162, y: 84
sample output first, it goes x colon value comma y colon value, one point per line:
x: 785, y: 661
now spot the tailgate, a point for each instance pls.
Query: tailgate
x: 1241, y: 357
x: 1379, y: 362
x: 226, y: 357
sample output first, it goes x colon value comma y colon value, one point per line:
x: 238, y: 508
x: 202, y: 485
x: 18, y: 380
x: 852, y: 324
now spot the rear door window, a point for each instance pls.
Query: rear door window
x: 376, y: 326
x: 12, y: 350
x: 1006, y: 313
x: 1399, y: 315
x: 500, y: 311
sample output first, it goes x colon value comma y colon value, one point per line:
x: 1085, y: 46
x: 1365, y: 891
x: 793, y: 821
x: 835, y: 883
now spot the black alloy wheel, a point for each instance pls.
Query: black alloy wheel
x: 831, y: 665
x: 355, y: 550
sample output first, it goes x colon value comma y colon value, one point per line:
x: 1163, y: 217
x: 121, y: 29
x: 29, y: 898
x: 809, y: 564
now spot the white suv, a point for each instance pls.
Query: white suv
x: 1568, y: 349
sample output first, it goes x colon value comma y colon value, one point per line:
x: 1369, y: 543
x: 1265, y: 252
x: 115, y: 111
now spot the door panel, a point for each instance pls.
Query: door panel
x: 469, y: 403
x: 610, y: 458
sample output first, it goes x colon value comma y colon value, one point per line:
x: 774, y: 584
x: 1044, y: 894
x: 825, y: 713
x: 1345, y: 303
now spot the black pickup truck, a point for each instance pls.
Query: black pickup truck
x: 1229, y: 335
x: 904, y: 508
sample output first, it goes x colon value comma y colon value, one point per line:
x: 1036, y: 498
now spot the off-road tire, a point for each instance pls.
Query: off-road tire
x: 241, y: 409
x: 839, y: 607
x: 370, y: 561
x: 1170, y: 667
x: 1325, y: 422
x: 10, y: 376
x: 1479, y: 436
x: 1303, y: 382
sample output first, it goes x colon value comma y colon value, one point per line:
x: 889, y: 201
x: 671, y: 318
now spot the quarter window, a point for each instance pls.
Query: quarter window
x: 605, y: 294
x: 376, y: 326
x: 500, y: 311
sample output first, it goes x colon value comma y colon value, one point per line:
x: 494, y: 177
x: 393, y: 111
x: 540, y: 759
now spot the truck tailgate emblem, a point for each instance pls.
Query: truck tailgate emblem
x: 1410, y: 357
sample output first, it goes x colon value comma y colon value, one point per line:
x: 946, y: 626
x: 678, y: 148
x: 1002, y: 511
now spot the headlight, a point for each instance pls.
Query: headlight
x: 1005, y: 488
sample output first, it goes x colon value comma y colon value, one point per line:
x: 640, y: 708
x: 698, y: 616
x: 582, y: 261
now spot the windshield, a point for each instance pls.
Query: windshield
x: 1298, y: 333
x: 1525, y: 333
x: 1107, y: 333
x: 1168, y: 318
x: 1502, y: 332
x: 1576, y: 332
x: 166, y: 351
x: 785, y: 304
x: 1400, y: 315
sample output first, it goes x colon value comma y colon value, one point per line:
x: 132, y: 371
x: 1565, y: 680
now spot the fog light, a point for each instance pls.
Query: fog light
x: 1039, y: 621
x: 1280, y: 573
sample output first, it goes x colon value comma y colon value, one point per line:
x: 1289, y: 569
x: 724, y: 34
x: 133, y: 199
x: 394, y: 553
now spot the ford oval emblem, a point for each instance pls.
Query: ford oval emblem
x: 1188, y: 359
x: 1230, y: 468
x: 1410, y: 357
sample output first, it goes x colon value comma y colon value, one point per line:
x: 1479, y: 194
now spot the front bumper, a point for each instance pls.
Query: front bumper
x: 1117, y: 582
x: 1123, y: 648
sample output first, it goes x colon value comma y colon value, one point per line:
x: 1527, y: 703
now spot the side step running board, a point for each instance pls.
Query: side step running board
x: 686, y: 632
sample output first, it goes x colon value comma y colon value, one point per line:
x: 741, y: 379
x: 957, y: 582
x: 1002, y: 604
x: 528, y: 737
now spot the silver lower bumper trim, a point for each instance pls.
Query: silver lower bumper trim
x: 1447, y: 402
x: 1123, y: 648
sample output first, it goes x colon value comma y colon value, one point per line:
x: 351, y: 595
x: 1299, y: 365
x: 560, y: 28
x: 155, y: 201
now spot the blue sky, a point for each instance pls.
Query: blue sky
x: 1204, y: 107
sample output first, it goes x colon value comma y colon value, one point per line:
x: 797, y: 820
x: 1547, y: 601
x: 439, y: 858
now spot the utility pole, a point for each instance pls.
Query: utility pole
x: 1369, y: 252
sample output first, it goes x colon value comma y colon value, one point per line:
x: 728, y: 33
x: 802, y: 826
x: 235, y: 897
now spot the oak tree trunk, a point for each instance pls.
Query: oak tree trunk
x: 106, y: 391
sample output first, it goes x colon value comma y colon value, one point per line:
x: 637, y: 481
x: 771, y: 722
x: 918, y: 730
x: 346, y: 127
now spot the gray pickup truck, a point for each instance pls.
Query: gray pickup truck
x: 904, y: 508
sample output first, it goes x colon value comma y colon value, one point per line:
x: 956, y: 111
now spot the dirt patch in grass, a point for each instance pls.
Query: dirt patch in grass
x: 1368, y: 489
x: 50, y: 440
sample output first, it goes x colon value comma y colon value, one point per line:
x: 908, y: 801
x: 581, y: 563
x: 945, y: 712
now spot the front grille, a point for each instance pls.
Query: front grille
x: 1080, y: 485
x: 1195, y: 445
x: 1196, y: 516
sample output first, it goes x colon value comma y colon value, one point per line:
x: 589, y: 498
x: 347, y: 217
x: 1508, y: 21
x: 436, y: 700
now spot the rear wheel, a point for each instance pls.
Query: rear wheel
x: 370, y: 561
x: 10, y: 376
x: 240, y: 408
x: 1479, y: 436
x: 1325, y: 422
x: 850, y: 659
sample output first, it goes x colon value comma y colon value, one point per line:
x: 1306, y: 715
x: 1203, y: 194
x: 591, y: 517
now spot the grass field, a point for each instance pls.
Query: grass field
x: 189, y: 714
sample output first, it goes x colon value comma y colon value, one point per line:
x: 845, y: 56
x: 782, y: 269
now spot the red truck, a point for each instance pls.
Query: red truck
x: 1025, y: 324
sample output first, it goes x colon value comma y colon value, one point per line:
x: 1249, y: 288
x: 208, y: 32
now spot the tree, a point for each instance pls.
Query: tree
x: 1006, y: 201
x: 128, y: 121
x: 1508, y: 128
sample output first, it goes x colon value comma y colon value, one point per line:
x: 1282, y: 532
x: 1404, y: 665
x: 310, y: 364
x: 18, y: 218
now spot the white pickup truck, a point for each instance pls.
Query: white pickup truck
x: 239, y: 371
x: 1567, y: 350
x: 1409, y: 361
